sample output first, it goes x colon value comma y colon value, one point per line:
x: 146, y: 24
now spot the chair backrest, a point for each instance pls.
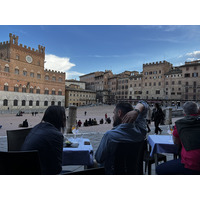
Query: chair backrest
x: 16, y: 138
x: 125, y: 159
x: 19, y: 163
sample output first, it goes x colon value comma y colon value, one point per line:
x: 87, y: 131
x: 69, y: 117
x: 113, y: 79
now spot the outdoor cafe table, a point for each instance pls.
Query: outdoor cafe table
x: 161, y: 144
x: 81, y: 155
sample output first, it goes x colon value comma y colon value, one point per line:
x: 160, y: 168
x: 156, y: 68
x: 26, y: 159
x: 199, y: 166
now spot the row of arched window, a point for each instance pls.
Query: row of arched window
x: 29, y: 103
x: 26, y: 89
x: 32, y: 74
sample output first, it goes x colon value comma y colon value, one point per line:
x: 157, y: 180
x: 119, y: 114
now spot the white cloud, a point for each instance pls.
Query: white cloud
x: 61, y: 64
x: 73, y: 75
x: 194, y: 54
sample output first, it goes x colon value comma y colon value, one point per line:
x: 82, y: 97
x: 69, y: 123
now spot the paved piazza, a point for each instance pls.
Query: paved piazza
x: 94, y: 133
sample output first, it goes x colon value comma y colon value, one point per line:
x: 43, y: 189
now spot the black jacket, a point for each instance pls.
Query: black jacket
x: 48, y: 140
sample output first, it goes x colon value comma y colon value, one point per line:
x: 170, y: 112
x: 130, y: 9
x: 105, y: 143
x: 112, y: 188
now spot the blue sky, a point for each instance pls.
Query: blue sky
x: 79, y: 50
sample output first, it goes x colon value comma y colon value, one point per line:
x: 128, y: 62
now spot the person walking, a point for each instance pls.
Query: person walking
x: 157, y: 117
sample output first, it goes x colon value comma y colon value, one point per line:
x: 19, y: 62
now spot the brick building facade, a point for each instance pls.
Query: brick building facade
x: 24, y: 83
x: 158, y: 82
x: 76, y: 94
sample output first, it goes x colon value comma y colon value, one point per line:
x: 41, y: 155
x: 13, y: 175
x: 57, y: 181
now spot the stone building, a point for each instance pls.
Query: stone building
x: 76, y: 94
x: 153, y: 79
x: 24, y: 83
x: 190, y: 80
x: 158, y: 82
x: 98, y: 81
x: 135, y: 85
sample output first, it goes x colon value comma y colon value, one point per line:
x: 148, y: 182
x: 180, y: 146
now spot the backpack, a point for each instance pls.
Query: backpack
x: 189, y: 132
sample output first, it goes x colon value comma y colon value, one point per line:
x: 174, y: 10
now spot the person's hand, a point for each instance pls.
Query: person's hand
x: 130, y: 117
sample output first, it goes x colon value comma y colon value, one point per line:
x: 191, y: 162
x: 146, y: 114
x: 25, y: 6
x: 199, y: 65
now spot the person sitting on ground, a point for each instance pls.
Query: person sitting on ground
x: 108, y: 120
x: 47, y: 138
x: 101, y: 121
x: 124, y: 130
x: 187, y: 134
x: 95, y: 121
x: 90, y: 122
x: 25, y: 123
x: 85, y: 123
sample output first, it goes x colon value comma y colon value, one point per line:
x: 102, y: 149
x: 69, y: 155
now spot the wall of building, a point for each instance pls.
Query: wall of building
x: 25, y: 78
x: 159, y: 81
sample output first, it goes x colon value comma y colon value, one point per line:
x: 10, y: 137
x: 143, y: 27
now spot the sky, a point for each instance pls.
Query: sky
x: 116, y: 35
x: 82, y: 49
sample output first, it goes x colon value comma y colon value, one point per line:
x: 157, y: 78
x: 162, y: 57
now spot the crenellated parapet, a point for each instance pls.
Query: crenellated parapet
x: 157, y: 63
x: 53, y: 71
x: 14, y: 41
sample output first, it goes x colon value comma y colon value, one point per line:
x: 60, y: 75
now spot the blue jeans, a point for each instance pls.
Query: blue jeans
x: 174, y: 167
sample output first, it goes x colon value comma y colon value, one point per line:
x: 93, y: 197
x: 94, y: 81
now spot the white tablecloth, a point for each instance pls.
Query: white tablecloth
x: 162, y: 144
x: 81, y: 155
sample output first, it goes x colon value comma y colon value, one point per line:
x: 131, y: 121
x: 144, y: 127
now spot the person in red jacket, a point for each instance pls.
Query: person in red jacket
x: 184, y: 134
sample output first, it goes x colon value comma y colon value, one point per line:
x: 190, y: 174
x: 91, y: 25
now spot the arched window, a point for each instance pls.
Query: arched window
x: 6, y: 87
x: 60, y: 79
x: 31, y: 90
x: 37, y: 103
x: 38, y: 90
x: 16, y: 70
x: 23, y: 103
x: 53, y: 92
x: 45, y: 103
x: 59, y: 92
x: 30, y: 103
x: 46, y: 91
x: 25, y: 72
x: 46, y: 77
x: 38, y: 75
x: 6, y: 68
x: 24, y: 89
x: 16, y: 88
x: 15, y: 103
x: 59, y: 103
x: 53, y: 78
x: 53, y: 103
x: 32, y: 74
x: 5, y: 102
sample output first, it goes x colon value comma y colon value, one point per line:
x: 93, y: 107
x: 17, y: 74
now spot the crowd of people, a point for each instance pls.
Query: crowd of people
x: 129, y: 125
x: 92, y: 122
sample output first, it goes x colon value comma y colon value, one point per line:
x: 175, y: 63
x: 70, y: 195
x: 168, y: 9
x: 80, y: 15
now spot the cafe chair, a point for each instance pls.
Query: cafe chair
x: 91, y: 171
x: 16, y: 138
x: 125, y: 158
x: 19, y: 163
x: 150, y: 160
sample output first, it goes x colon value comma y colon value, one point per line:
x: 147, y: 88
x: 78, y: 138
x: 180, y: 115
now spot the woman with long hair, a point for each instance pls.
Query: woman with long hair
x: 47, y: 138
